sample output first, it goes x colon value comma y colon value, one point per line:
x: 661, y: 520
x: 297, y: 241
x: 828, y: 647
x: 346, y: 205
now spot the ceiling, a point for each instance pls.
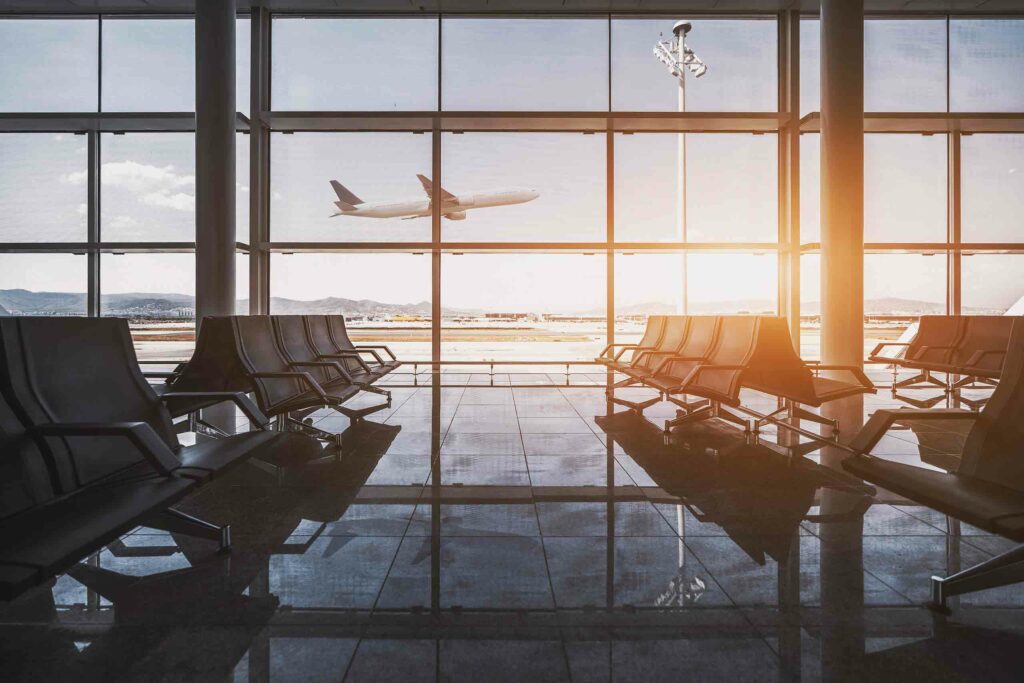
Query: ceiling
x: 506, y: 6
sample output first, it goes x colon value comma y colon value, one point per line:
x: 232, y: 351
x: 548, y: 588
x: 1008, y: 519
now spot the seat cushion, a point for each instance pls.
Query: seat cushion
x: 991, y: 507
x: 54, y: 536
x: 16, y: 579
x: 663, y: 382
x: 215, y: 456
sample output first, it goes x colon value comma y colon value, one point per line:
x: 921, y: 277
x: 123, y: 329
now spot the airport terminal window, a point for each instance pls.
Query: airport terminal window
x: 646, y: 284
x: 43, y: 187
x: 62, y: 53
x: 905, y: 188
x: 741, y: 55
x: 810, y: 66
x: 145, y: 67
x: 242, y: 186
x: 810, y: 306
x: 992, y: 188
x: 810, y: 188
x: 380, y: 309
x: 148, y: 187
x: 986, y: 56
x: 992, y: 284
x: 377, y: 174
x: 156, y: 292
x: 647, y: 202
x: 521, y: 64
x: 524, y: 187
x: 43, y: 284
x: 905, y: 65
x: 732, y: 283
x: 355, y: 64
x: 898, y: 289
x: 522, y: 306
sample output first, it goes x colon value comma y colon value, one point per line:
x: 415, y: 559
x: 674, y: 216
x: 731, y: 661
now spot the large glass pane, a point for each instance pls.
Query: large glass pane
x: 148, y: 64
x: 148, y: 186
x: 646, y: 284
x: 810, y: 66
x: 522, y: 306
x: 732, y: 284
x: 648, y: 207
x: 992, y: 188
x: 741, y: 55
x: 377, y: 174
x: 43, y: 188
x: 524, y: 187
x: 242, y: 186
x: 354, y: 64
x: 986, y: 59
x: 43, y: 284
x: 156, y: 292
x: 898, y: 289
x: 243, y: 57
x: 992, y: 283
x: 810, y: 306
x: 384, y: 297
x: 905, y: 65
x: 48, y: 64
x: 524, y: 64
x: 905, y: 188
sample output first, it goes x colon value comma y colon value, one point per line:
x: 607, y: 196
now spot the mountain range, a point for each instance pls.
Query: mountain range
x: 149, y: 305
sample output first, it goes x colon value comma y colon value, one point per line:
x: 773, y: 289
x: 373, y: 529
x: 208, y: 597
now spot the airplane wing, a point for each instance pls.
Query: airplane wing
x: 428, y: 187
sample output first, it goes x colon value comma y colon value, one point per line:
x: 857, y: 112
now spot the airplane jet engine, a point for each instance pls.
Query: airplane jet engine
x: 456, y: 216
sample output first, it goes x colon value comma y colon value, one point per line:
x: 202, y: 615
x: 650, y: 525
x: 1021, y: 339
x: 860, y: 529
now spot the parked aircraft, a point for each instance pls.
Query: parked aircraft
x: 453, y: 207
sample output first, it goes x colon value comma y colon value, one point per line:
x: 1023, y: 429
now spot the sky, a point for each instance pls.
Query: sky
x: 362, y: 64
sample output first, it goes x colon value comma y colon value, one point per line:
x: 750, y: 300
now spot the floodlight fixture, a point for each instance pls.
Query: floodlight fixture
x: 677, y: 55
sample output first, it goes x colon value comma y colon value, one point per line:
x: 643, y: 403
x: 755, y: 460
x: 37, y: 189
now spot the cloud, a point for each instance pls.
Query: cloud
x: 159, y: 186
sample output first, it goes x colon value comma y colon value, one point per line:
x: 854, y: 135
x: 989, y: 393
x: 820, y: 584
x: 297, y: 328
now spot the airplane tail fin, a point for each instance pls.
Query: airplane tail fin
x: 345, y: 206
x: 345, y: 195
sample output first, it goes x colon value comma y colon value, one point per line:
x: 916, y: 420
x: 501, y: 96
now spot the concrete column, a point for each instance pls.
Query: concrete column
x: 215, y: 158
x: 842, y: 181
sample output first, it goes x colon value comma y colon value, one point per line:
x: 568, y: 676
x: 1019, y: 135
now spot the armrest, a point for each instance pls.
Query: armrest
x: 303, y: 377
x: 978, y: 355
x: 244, y: 403
x: 879, y: 423
x: 376, y: 356
x: 349, y: 354
x: 139, y: 434
x: 882, y: 345
x: 378, y: 346
x: 160, y: 374
x: 612, y: 346
x: 324, y: 364
x: 857, y: 372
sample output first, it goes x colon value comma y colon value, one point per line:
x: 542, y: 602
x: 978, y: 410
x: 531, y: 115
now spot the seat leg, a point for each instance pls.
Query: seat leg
x: 923, y: 377
x: 702, y: 413
x: 178, y: 522
x: 376, y: 390
x: 1001, y: 570
x: 637, y: 407
x: 316, y: 432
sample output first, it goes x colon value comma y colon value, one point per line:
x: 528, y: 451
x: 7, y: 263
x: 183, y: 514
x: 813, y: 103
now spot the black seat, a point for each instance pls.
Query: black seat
x: 653, y: 332
x: 930, y: 350
x: 982, y: 347
x: 987, y: 487
x: 318, y: 330
x: 339, y: 334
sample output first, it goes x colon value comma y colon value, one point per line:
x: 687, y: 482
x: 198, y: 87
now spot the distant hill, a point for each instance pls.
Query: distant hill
x: 883, y: 306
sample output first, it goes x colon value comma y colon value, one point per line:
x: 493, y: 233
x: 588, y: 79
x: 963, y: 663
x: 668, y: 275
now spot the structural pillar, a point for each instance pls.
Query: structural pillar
x: 215, y: 158
x: 842, y: 181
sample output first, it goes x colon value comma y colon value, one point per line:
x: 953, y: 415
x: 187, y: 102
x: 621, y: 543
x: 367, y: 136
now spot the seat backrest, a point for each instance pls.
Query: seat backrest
x: 994, y: 450
x: 24, y: 476
x: 775, y: 367
x: 737, y: 340
x: 258, y: 352
x: 935, y: 339
x: 339, y: 333
x: 654, y: 331
x: 318, y: 329
x: 700, y: 341
x: 214, y: 365
x: 983, y: 333
x: 292, y: 341
x: 68, y: 370
x: 673, y: 336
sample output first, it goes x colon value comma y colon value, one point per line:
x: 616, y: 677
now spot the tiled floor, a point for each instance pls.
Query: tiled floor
x: 477, y: 533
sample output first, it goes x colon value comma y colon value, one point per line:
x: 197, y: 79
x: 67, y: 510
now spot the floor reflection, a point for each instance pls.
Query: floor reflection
x: 498, y: 533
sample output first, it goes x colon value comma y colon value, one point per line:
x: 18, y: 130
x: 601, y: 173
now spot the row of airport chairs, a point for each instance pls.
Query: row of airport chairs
x: 713, y: 358
x: 88, y: 450
x: 293, y: 365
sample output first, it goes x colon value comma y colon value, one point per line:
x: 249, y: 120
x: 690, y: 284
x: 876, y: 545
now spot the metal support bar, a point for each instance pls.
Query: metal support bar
x: 1001, y: 570
x: 178, y: 522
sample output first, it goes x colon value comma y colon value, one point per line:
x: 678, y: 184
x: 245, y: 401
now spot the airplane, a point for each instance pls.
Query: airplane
x: 453, y: 207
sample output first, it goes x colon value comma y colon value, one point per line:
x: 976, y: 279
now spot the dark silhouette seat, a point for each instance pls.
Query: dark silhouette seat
x: 89, y: 450
x: 342, y: 342
x: 987, y: 487
x: 645, y: 363
x: 318, y: 330
x: 648, y: 342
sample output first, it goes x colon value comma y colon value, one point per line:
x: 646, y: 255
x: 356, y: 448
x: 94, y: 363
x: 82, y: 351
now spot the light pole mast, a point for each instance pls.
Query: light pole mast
x: 679, y: 59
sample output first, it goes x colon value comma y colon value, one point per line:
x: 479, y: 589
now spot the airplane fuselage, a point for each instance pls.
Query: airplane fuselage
x: 449, y: 206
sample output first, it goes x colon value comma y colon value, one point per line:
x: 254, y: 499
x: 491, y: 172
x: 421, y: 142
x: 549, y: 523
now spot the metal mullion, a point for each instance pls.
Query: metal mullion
x: 789, y: 172
x: 610, y: 230
x: 435, y: 207
x: 954, y: 253
x: 259, y: 161
x: 93, y: 235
